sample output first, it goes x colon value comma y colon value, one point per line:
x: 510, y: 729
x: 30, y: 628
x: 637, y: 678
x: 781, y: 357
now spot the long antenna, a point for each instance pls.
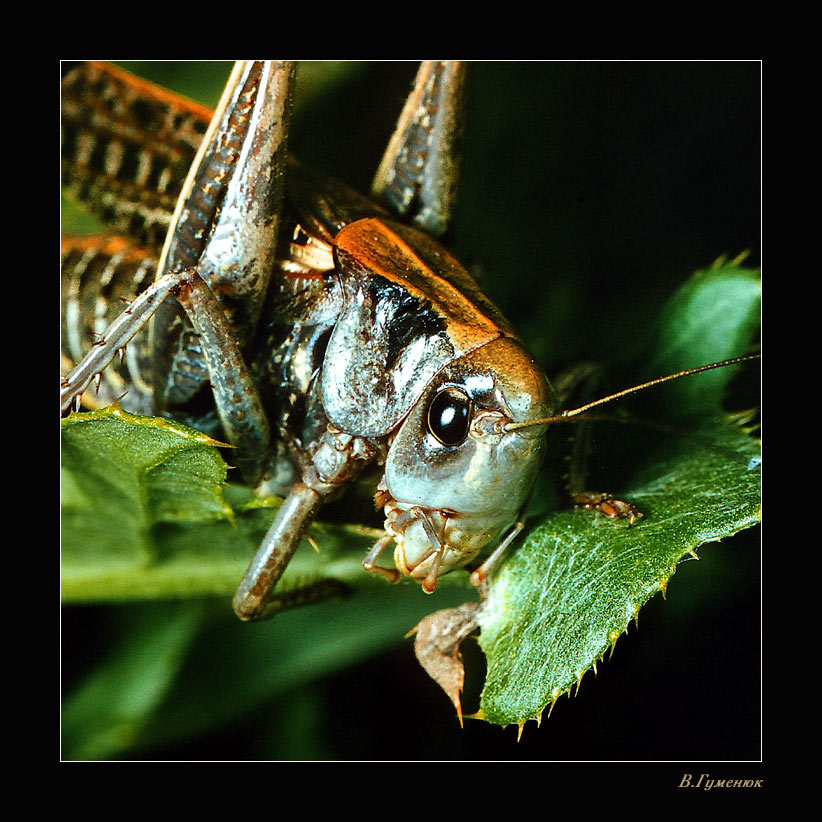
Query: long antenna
x: 566, y: 415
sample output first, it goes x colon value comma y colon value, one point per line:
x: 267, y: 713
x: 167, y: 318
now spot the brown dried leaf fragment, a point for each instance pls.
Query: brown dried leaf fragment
x: 437, y: 646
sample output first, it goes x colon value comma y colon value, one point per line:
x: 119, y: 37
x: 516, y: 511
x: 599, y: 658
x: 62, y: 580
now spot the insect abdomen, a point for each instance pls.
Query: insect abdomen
x: 126, y: 156
x: 99, y: 276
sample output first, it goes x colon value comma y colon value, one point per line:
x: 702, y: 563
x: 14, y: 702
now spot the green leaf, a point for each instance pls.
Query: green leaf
x: 146, y: 514
x: 562, y: 599
x: 714, y: 316
x: 123, y: 477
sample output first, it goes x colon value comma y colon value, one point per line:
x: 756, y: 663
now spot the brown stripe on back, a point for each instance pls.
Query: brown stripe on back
x: 413, y: 260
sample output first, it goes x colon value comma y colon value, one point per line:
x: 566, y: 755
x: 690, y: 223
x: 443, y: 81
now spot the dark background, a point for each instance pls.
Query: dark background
x: 590, y: 192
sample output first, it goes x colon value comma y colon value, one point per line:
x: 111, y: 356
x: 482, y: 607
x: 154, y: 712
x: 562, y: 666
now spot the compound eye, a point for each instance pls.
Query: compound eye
x: 449, y: 416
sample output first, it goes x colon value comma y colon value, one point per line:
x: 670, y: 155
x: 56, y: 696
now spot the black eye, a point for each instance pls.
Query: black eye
x: 449, y: 416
